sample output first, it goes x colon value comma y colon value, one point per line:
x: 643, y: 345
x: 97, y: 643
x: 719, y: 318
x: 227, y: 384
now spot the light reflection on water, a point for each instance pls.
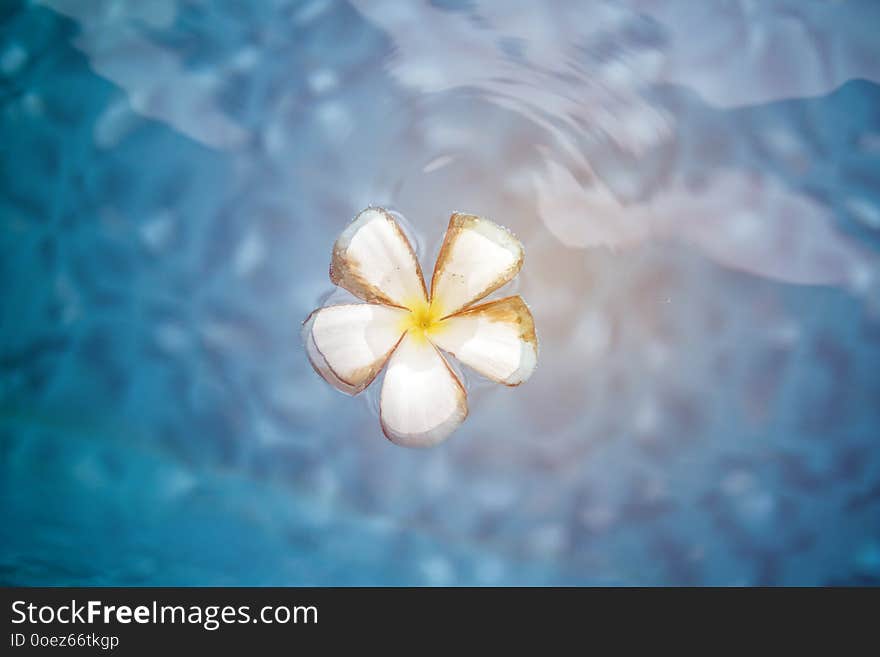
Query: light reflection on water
x: 697, y: 190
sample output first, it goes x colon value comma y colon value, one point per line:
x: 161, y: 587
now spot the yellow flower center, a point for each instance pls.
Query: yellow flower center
x: 423, y: 319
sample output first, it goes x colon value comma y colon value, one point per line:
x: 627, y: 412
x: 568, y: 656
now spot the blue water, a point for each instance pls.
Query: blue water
x: 697, y: 186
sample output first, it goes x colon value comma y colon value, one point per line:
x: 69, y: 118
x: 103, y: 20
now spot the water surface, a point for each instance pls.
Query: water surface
x: 698, y: 192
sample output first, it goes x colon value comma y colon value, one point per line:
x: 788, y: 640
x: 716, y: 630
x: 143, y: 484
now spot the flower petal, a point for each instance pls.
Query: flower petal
x: 349, y: 344
x: 497, y: 339
x: 373, y: 260
x: 422, y: 399
x: 477, y: 257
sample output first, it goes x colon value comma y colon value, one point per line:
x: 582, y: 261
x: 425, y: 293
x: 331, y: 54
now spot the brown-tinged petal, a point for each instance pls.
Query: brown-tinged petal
x: 349, y: 344
x: 496, y: 338
x: 476, y: 258
x: 374, y: 260
x: 422, y: 400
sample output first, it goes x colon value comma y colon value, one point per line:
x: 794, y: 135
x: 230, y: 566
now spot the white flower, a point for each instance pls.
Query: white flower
x: 422, y: 400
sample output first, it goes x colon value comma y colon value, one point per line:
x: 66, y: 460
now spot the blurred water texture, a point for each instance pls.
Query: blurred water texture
x: 698, y: 189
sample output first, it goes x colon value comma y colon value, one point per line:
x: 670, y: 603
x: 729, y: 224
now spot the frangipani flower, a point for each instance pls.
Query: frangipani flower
x: 401, y: 324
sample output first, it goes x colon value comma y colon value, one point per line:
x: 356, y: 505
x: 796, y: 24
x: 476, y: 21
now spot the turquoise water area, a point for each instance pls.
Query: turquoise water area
x: 697, y: 186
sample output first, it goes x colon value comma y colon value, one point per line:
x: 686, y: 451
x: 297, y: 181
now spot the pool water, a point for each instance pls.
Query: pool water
x: 698, y: 192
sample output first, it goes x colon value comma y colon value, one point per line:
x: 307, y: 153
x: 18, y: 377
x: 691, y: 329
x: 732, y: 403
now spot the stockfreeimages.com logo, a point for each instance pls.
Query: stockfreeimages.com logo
x: 211, y: 617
